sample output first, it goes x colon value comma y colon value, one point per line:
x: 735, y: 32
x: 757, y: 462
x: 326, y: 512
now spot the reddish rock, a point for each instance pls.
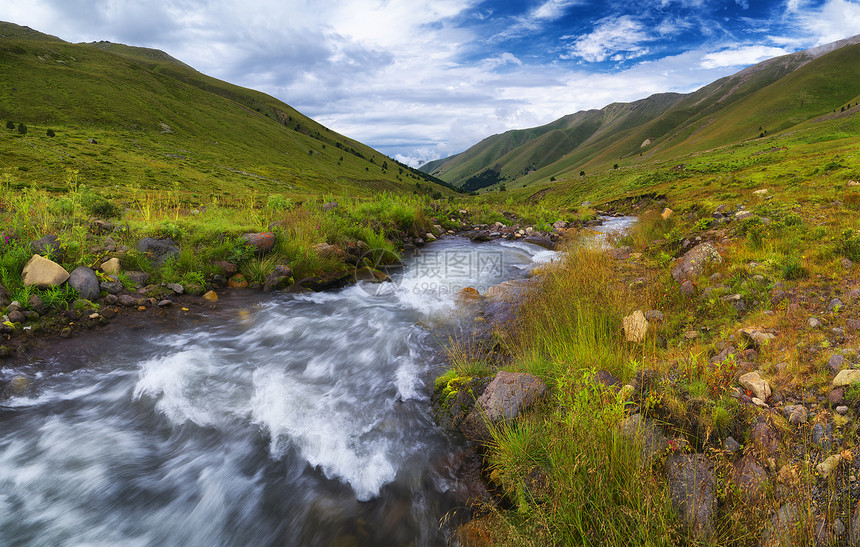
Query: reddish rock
x: 262, y: 242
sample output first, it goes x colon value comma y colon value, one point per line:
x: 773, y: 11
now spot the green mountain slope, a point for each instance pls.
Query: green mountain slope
x: 771, y: 96
x: 139, y: 118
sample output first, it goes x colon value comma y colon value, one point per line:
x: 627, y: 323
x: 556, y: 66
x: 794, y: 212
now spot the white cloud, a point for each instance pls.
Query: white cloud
x: 835, y: 20
x: 741, y: 56
x: 610, y: 36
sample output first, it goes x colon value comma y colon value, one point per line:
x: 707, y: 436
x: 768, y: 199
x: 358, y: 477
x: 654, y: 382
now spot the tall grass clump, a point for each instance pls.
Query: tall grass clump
x: 571, y: 476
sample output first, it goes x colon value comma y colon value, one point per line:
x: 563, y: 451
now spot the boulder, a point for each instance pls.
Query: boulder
x: 138, y: 278
x: 749, y: 477
x: 691, y: 487
x: 836, y: 363
x: 35, y: 303
x: 846, y: 377
x: 41, y: 272
x: 783, y: 527
x: 694, y: 262
x: 540, y: 242
x: 47, y: 245
x: 507, y: 396
x: 755, y: 383
x: 211, y: 296
x: 330, y: 252
x: 228, y: 269
x: 159, y: 251
x: 764, y: 439
x: 279, y: 278
x: 637, y: 428
x: 111, y: 267
x: 177, y: 288
x: 635, y: 326
x: 261, y: 242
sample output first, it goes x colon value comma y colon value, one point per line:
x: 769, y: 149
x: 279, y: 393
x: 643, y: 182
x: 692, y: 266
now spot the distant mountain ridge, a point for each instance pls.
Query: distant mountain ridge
x: 764, y: 98
x: 142, y: 117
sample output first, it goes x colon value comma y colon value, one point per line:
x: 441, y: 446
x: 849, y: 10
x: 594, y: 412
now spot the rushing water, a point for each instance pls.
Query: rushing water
x: 274, y: 420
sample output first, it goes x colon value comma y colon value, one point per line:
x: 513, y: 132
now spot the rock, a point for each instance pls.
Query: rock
x: 479, y: 237
x: 41, y: 272
x: 228, y: 269
x: 114, y: 286
x: 560, y: 225
x: 654, y: 316
x: 16, y: 316
x: 813, y: 322
x: 694, y: 262
x: 836, y: 363
x: 731, y: 445
x: 846, y: 377
x: 164, y: 303
x: 176, y: 288
x: 507, y: 396
x: 764, y: 439
x: 621, y: 253
x: 211, y: 296
x: 635, y: 326
x: 605, y: 378
x: 829, y: 465
x: 159, y: 251
x: 138, y: 278
x: 111, y: 267
x: 330, y: 252
x: 666, y: 213
x: 761, y: 192
x: 749, y: 477
x: 261, y: 242
x: 541, y: 242
x: 429, y: 237
x: 35, y: 303
x: 127, y: 300
x: 782, y: 528
x: 238, y: 281
x: 280, y: 277
x: 372, y: 275
x: 757, y: 336
x: 854, y: 531
x: 822, y: 435
x: 47, y: 245
x: 636, y: 428
x: 756, y: 384
x: 847, y: 263
x: 688, y: 288
x: 842, y: 410
x: 691, y: 488
x: 796, y: 414
x: 743, y: 215
x: 835, y: 305
x: 194, y: 289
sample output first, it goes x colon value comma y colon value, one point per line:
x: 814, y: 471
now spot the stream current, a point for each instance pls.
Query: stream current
x: 270, y: 420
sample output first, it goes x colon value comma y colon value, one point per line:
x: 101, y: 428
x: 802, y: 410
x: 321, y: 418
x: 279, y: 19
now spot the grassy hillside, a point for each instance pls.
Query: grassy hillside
x: 138, y: 118
x: 771, y: 96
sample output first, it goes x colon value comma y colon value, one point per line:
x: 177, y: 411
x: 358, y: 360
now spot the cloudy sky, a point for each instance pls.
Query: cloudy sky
x: 423, y: 79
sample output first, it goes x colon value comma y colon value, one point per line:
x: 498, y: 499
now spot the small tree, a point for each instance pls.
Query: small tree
x: 22, y: 129
x: 615, y: 166
x: 10, y: 125
x: 51, y: 133
x: 582, y: 173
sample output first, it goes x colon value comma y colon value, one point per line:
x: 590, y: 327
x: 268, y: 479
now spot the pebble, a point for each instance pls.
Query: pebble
x: 813, y: 322
x: 842, y: 410
x: 164, y: 303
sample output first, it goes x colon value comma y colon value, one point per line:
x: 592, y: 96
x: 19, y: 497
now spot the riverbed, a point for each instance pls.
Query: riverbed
x: 287, y: 419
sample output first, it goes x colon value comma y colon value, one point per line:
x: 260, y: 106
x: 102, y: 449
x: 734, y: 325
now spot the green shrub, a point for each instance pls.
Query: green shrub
x: 792, y: 268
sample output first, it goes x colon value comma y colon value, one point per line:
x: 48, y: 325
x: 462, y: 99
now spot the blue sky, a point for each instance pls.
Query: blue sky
x: 423, y: 79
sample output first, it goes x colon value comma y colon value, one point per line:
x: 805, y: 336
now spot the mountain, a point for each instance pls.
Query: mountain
x: 137, y: 117
x: 771, y: 96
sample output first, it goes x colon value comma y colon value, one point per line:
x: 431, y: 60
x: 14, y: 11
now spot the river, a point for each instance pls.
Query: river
x: 269, y: 420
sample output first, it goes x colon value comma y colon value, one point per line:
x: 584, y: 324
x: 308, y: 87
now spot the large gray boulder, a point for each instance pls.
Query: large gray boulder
x: 654, y: 442
x: 694, y: 262
x: 158, y: 250
x: 41, y: 272
x: 691, y: 487
x: 85, y: 281
x: 507, y: 396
